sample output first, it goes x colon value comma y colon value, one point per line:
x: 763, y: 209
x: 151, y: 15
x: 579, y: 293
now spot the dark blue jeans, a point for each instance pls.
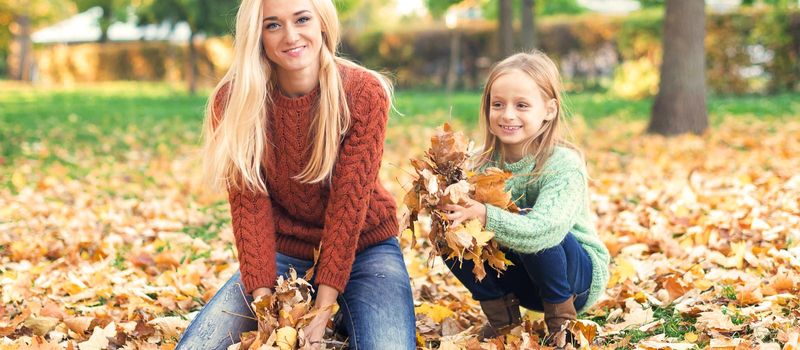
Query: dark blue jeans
x: 376, y: 308
x: 551, y: 275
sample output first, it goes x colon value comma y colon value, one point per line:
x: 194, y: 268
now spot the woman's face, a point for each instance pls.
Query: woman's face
x: 291, y: 35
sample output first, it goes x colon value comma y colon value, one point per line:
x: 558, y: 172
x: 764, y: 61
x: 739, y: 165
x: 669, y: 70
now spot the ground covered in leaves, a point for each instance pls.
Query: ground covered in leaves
x: 115, y: 244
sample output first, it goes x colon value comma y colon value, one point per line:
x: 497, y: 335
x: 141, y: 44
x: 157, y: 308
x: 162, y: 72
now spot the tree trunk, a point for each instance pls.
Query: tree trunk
x: 506, y: 30
x: 20, y: 67
x: 528, y: 28
x: 680, y: 105
x: 105, y: 22
x: 455, y: 56
x: 192, y: 76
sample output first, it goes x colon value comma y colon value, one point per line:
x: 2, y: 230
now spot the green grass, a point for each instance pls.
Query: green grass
x: 99, y: 116
x: 675, y: 326
x: 593, y: 106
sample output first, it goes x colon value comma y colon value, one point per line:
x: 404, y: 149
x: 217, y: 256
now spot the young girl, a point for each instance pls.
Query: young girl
x: 296, y: 134
x: 560, y: 263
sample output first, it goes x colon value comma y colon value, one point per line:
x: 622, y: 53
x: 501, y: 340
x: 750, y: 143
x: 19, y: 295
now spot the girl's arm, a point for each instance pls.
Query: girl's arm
x: 354, y: 177
x: 549, y: 221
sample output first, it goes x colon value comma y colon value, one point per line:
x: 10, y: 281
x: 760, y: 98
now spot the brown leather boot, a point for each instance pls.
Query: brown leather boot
x: 557, y: 317
x: 503, y: 315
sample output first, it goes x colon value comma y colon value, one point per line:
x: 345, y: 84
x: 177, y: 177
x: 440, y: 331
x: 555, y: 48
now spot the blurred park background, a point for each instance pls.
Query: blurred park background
x: 688, y: 111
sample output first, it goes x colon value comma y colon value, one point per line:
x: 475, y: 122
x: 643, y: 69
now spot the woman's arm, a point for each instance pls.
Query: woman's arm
x: 354, y: 176
x: 254, y: 231
x: 252, y: 221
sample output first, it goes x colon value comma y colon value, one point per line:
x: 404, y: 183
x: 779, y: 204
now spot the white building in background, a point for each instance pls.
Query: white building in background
x: 625, y: 6
x: 85, y: 27
x: 610, y: 6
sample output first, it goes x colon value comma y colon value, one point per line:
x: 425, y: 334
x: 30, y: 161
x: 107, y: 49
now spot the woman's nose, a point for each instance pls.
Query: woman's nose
x: 291, y: 34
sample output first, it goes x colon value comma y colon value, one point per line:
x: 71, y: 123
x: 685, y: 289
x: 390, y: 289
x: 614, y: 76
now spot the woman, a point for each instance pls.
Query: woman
x: 296, y: 134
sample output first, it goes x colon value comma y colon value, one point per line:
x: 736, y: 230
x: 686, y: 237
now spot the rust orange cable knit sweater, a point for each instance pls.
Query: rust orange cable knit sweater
x: 350, y: 214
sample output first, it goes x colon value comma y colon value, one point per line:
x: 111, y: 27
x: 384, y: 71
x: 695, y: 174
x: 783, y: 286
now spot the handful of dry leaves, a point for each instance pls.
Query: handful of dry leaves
x: 282, y: 316
x: 443, y: 178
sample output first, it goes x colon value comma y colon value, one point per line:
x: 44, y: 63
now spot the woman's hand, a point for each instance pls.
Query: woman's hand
x: 471, y: 209
x: 258, y: 293
x: 315, y: 330
x: 261, y: 292
x: 326, y: 298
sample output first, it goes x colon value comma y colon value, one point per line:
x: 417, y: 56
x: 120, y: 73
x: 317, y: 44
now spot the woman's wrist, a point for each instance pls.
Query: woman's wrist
x: 326, y: 296
x: 261, y: 292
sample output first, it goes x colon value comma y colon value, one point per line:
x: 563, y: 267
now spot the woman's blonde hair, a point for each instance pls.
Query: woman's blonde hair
x: 544, y: 72
x: 236, y: 140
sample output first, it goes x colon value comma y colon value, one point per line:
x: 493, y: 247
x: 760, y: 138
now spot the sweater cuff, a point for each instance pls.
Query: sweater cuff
x: 258, y: 279
x: 331, y: 278
x: 494, y: 222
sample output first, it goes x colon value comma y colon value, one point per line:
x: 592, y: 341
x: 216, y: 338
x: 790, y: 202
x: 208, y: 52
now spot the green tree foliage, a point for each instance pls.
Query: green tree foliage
x: 211, y: 17
x: 543, y: 8
x: 437, y: 8
x: 113, y: 10
x: 18, y: 18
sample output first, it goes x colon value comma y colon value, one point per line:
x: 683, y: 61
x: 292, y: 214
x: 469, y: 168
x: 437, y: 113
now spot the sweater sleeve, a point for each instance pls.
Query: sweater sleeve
x: 252, y: 221
x: 254, y: 231
x: 354, y: 178
x: 550, y: 219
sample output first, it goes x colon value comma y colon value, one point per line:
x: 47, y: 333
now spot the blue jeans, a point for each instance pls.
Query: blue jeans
x: 551, y: 275
x: 376, y: 308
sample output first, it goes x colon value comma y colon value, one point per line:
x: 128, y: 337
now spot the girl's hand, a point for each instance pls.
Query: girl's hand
x: 471, y: 209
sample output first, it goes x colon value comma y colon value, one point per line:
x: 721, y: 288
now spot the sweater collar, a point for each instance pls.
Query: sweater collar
x: 525, y: 164
x: 282, y: 101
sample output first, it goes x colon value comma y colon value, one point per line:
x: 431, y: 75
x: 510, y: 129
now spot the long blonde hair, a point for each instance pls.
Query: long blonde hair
x: 236, y: 140
x: 544, y: 72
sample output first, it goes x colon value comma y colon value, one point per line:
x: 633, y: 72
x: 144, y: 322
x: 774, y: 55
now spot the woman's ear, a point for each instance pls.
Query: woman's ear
x: 551, y: 109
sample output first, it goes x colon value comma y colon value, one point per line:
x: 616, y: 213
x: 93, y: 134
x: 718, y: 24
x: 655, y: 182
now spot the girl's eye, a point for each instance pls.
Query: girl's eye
x: 522, y: 105
x: 497, y: 105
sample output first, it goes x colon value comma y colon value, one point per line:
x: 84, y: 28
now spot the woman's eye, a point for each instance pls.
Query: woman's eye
x: 304, y: 19
x: 271, y: 26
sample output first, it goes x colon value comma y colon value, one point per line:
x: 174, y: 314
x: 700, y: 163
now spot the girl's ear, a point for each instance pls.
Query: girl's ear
x: 551, y: 109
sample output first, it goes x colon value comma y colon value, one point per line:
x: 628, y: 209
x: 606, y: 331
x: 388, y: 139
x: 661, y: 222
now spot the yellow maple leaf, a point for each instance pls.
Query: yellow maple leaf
x: 475, y: 229
x: 436, y: 312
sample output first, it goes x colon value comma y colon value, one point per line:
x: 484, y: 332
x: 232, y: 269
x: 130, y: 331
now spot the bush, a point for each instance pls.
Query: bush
x: 147, y: 61
x: 752, y: 50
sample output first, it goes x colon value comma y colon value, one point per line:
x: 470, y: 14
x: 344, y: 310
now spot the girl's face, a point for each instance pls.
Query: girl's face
x: 517, y: 110
x: 291, y: 35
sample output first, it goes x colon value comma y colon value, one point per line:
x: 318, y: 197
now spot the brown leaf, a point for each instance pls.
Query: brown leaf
x: 14, y: 323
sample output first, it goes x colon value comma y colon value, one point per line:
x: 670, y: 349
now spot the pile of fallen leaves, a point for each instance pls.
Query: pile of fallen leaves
x: 282, y: 316
x: 442, y: 179
x: 119, y: 247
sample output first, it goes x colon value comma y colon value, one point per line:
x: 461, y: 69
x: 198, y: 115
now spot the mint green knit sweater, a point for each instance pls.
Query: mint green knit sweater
x: 560, y: 204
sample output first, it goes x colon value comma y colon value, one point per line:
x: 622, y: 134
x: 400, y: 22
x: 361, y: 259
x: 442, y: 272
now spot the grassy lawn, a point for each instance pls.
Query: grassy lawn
x: 80, y: 116
x: 593, y: 106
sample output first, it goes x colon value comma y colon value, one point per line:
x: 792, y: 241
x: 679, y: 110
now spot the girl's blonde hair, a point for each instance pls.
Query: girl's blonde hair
x: 544, y: 72
x: 236, y: 140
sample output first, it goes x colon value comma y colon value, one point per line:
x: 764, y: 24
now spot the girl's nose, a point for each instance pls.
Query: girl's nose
x: 508, y: 113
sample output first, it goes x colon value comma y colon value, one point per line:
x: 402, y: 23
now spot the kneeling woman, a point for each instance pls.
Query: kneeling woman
x: 296, y: 134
